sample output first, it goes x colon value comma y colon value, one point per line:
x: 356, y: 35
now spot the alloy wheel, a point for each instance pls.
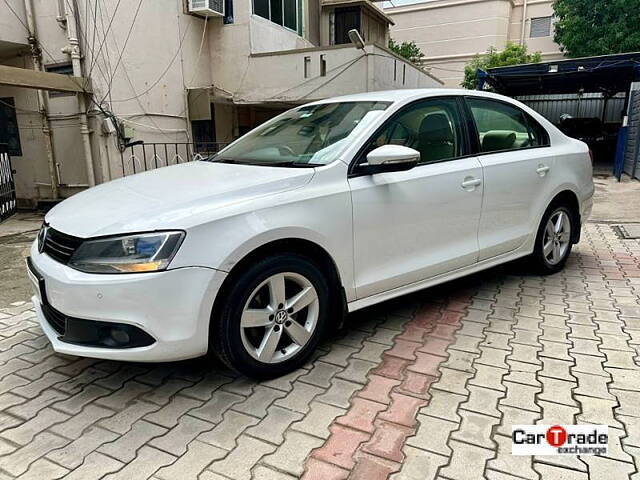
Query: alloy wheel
x: 557, y: 237
x: 280, y: 317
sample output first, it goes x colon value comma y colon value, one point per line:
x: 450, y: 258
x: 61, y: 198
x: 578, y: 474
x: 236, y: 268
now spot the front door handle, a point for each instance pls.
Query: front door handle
x: 471, y: 183
x: 542, y: 170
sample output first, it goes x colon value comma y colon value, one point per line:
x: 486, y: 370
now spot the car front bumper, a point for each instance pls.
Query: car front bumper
x: 171, y: 310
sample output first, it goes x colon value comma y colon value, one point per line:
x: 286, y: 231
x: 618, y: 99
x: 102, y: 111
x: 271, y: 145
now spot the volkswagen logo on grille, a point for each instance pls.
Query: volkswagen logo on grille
x: 42, y: 235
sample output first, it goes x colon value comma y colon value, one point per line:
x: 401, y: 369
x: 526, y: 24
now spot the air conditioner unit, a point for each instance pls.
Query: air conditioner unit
x: 207, y: 8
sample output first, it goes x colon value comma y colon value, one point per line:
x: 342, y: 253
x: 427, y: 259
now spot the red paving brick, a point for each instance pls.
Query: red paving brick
x: 426, y: 364
x: 416, y: 384
x: 446, y: 332
x: 341, y: 446
x: 435, y: 346
x: 413, y: 333
x: 367, y: 441
x: 369, y: 467
x: 361, y: 414
x: 388, y: 440
x: 403, y: 410
x: 319, y: 470
x: 392, y: 367
x: 404, y: 349
x: 379, y: 389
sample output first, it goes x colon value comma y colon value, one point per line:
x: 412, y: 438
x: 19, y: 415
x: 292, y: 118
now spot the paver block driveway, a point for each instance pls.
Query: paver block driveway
x: 426, y: 386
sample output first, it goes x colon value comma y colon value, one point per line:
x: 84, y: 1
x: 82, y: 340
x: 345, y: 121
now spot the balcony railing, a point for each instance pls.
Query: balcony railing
x: 140, y: 157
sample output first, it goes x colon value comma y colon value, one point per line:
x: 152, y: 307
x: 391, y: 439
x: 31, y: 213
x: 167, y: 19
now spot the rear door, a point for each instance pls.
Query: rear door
x: 518, y: 164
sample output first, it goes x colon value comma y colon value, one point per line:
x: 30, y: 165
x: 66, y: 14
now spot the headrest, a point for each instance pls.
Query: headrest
x: 496, y: 140
x: 435, y: 128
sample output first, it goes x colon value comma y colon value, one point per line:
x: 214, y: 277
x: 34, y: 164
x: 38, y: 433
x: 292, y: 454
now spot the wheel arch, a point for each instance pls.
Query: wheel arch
x: 296, y: 245
x: 569, y: 198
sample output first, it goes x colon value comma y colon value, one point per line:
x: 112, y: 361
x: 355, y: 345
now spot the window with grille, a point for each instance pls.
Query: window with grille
x: 63, y: 69
x: 540, y: 27
x: 9, y: 132
x: 287, y: 13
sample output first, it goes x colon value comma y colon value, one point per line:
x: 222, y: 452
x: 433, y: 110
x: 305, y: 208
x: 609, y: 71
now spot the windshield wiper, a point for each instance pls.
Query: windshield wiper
x: 284, y: 163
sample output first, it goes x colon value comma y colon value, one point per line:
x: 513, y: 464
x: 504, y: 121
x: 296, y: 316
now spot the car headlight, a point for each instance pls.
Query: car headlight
x: 147, y: 252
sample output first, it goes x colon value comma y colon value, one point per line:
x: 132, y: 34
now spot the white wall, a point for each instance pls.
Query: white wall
x: 452, y: 32
x: 12, y: 32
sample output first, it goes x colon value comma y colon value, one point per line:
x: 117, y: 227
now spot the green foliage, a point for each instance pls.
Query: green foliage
x: 408, y: 50
x: 587, y: 28
x: 513, y: 54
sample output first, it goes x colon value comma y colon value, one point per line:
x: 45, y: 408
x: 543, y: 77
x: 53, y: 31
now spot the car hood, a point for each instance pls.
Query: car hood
x: 169, y: 197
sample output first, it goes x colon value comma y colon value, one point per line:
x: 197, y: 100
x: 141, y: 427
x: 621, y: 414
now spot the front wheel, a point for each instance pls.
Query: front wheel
x: 273, y: 317
x: 554, y: 240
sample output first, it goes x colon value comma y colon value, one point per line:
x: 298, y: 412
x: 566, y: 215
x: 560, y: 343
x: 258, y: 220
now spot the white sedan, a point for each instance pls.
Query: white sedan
x: 257, y: 252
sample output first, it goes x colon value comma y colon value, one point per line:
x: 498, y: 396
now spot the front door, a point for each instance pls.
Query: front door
x: 414, y: 225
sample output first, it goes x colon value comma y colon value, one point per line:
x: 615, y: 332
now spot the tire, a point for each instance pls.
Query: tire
x: 259, y: 334
x: 546, y: 261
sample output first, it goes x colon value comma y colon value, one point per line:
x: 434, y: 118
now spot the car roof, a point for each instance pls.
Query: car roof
x: 408, y: 95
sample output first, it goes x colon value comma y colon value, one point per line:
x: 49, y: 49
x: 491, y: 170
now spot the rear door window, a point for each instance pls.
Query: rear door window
x: 502, y: 127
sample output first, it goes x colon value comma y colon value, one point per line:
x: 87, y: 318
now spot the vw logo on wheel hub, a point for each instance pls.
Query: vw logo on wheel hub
x: 281, y: 316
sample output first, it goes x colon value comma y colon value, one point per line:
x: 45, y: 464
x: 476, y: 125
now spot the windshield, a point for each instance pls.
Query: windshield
x: 307, y: 136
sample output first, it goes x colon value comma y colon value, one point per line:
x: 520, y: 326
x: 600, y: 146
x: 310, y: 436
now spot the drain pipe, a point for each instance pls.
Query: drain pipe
x: 43, y: 99
x: 524, y: 22
x: 73, y: 50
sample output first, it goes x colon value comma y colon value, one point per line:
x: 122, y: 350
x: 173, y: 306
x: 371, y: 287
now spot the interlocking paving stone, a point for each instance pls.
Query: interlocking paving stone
x: 299, y: 398
x: 74, y: 453
x: 318, y: 420
x: 238, y: 464
x: 291, y: 454
x: 147, y: 461
x: 226, y: 433
x: 272, y: 427
x: 43, y: 468
x: 17, y: 462
x: 448, y: 370
x: 126, y: 446
x: 95, y: 466
x: 192, y: 463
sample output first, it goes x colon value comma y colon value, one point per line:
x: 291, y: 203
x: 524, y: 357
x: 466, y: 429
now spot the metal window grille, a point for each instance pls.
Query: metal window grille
x: 540, y: 27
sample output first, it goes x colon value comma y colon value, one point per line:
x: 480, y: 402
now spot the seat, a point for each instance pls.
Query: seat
x: 436, y: 140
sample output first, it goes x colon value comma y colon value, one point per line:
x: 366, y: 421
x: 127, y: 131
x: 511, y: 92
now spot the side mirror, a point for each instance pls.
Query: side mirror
x: 390, y: 158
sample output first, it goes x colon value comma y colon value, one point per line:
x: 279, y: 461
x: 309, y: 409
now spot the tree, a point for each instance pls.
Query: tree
x: 408, y: 50
x: 586, y: 28
x: 513, y: 54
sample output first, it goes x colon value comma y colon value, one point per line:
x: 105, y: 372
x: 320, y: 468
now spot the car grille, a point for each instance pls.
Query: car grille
x: 60, y: 246
x: 57, y: 320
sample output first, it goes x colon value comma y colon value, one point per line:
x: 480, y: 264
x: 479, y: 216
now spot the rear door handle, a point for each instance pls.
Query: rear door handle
x: 471, y: 183
x: 542, y: 170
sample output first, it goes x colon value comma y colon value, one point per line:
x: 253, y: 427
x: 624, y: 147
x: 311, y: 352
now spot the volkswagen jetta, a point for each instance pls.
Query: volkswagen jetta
x: 257, y: 252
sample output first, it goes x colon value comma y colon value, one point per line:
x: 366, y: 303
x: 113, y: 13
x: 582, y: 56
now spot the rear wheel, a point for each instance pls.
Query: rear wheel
x: 273, y: 317
x: 554, y: 240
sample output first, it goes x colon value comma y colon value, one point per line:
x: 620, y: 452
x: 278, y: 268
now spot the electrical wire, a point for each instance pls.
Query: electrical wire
x: 152, y: 86
x: 128, y: 77
x: 124, y: 47
x: 83, y: 34
x: 105, y: 37
x: 26, y: 27
x: 204, y: 32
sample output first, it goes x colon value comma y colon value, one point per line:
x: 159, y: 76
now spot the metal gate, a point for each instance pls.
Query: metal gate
x: 7, y: 185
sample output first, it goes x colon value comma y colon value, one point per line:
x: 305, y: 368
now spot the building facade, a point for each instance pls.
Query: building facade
x: 167, y: 81
x: 452, y: 32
